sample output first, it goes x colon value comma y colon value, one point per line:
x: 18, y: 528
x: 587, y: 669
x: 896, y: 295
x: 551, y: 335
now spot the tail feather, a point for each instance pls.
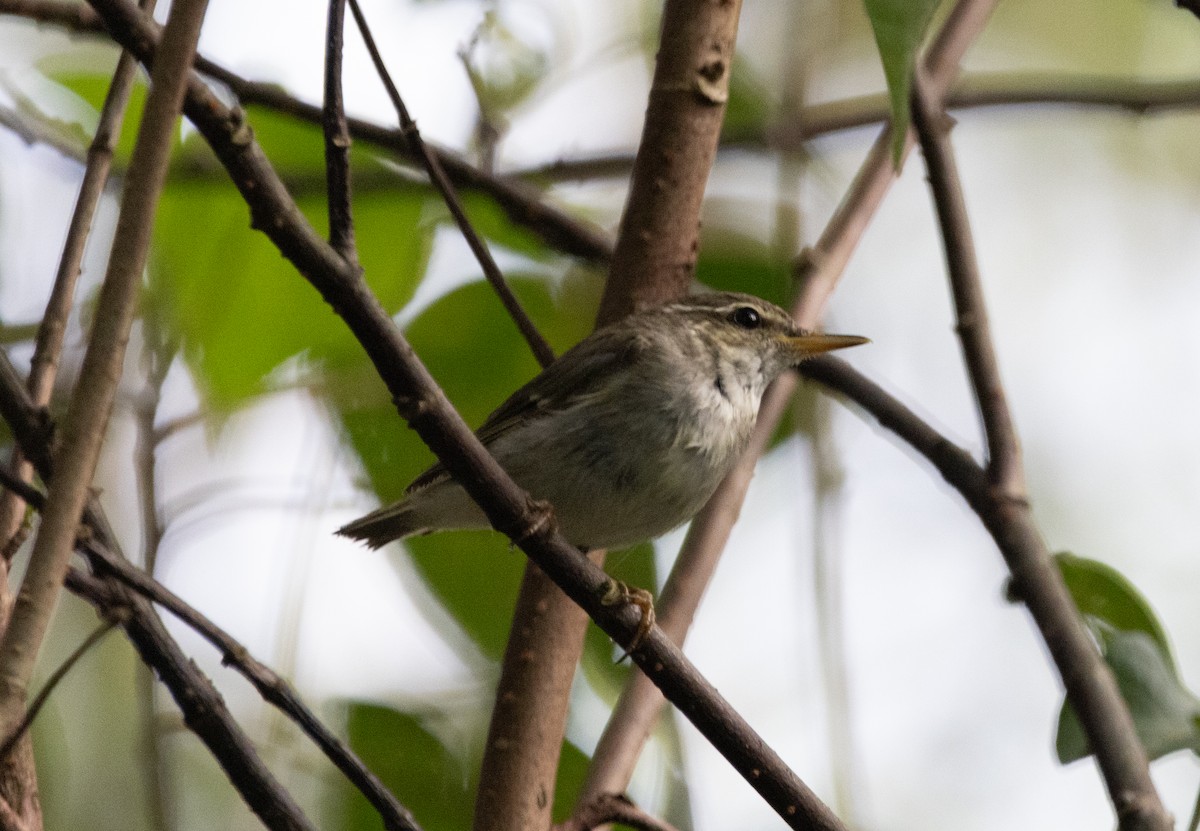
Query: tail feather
x: 378, y: 528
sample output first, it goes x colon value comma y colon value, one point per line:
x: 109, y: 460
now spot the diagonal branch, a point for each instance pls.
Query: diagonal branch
x: 92, y: 400
x: 932, y: 126
x: 437, y: 175
x: 52, y: 681
x: 1090, y: 685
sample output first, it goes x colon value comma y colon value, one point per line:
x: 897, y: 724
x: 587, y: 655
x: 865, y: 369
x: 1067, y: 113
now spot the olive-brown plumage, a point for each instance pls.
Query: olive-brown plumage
x: 628, y: 433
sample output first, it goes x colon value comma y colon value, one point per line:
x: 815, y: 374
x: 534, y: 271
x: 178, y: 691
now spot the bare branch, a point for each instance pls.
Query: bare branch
x: 608, y: 808
x: 92, y: 400
x: 1004, y: 454
x: 820, y: 267
x: 1035, y: 580
x: 1090, y: 686
x: 655, y: 258
x: 437, y: 175
x: 337, y: 139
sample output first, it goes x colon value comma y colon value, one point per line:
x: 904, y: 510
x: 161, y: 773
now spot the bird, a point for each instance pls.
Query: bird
x: 630, y: 431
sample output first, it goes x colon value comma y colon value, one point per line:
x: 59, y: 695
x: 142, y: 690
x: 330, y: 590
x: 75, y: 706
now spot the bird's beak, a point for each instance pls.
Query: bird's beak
x: 806, y: 345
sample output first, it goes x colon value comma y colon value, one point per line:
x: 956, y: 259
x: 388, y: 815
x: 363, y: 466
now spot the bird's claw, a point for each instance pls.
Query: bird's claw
x: 618, y: 593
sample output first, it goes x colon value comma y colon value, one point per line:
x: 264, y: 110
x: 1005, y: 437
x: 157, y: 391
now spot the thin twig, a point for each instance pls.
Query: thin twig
x: 828, y: 478
x: 437, y: 175
x: 337, y: 139
x: 157, y: 357
x: 1089, y: 684
x: 932, y: 126
x: 52, y: 330
x: 92, y: 400
x: 39, y: 700
x: 1091, y: 687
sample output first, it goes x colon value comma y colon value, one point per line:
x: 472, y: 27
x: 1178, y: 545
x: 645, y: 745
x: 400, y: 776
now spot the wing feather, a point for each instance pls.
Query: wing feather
x: 592, y: 362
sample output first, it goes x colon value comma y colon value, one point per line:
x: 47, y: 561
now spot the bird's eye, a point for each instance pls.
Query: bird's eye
x: 746, y: 317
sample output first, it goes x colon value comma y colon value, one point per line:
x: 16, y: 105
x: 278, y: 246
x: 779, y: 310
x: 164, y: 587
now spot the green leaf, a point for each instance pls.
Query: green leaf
x: 1164, y: 711
x: 899, y: 27
x: 735, y: 262
x: 242, y: 311
x: 475, y: 576
x: 412, y: 763
x: 1102, y: 593
x: 750, y: 105
x: 93, y: 88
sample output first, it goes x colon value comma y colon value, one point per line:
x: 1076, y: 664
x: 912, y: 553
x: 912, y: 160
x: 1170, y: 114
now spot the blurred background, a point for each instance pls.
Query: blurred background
x: 271, y: 430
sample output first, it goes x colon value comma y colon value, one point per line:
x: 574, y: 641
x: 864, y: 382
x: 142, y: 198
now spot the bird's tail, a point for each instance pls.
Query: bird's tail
x: 378, y: 528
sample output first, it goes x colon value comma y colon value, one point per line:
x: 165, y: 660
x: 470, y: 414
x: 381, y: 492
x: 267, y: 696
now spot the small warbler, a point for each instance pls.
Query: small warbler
x: 628, y: 433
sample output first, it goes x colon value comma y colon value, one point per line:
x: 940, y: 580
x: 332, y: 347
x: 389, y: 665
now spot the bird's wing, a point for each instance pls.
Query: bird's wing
x: 583, y: 370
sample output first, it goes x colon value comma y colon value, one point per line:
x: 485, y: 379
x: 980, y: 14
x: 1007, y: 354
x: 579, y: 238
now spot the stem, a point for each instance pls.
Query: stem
x: 979, y: 354
x: 337, y: 139
x: 1089, y: 684
x: 437, y: 175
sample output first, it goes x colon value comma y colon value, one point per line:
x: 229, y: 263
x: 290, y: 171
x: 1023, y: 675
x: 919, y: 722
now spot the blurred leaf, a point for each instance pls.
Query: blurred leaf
x: 475, y: 576
x: 1102, y: 593
x: 93, y: 88
x: 1164, y: 712
x: 899, y: 27
x: 242, y: 310
x: 750, y: 105
x: 492, y: 223
x: 735, y: 262
x: 412, y: 764
x: 503, y: 68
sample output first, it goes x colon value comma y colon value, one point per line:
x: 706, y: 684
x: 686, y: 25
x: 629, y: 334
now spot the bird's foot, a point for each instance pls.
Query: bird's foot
x: 618, y: 593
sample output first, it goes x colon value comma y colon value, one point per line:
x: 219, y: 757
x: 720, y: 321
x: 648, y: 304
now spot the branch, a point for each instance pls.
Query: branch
x: 428, y: 412
x: 607, y: 808
x: 1004, y: 454
x: 91, y: 403
x: 437, y: 175
x: 1090, y: 685
x: 655, y: 258
x: 819, y: 268
x: 52, y: 330
x: 203, y: 709
x: 337, y: 139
